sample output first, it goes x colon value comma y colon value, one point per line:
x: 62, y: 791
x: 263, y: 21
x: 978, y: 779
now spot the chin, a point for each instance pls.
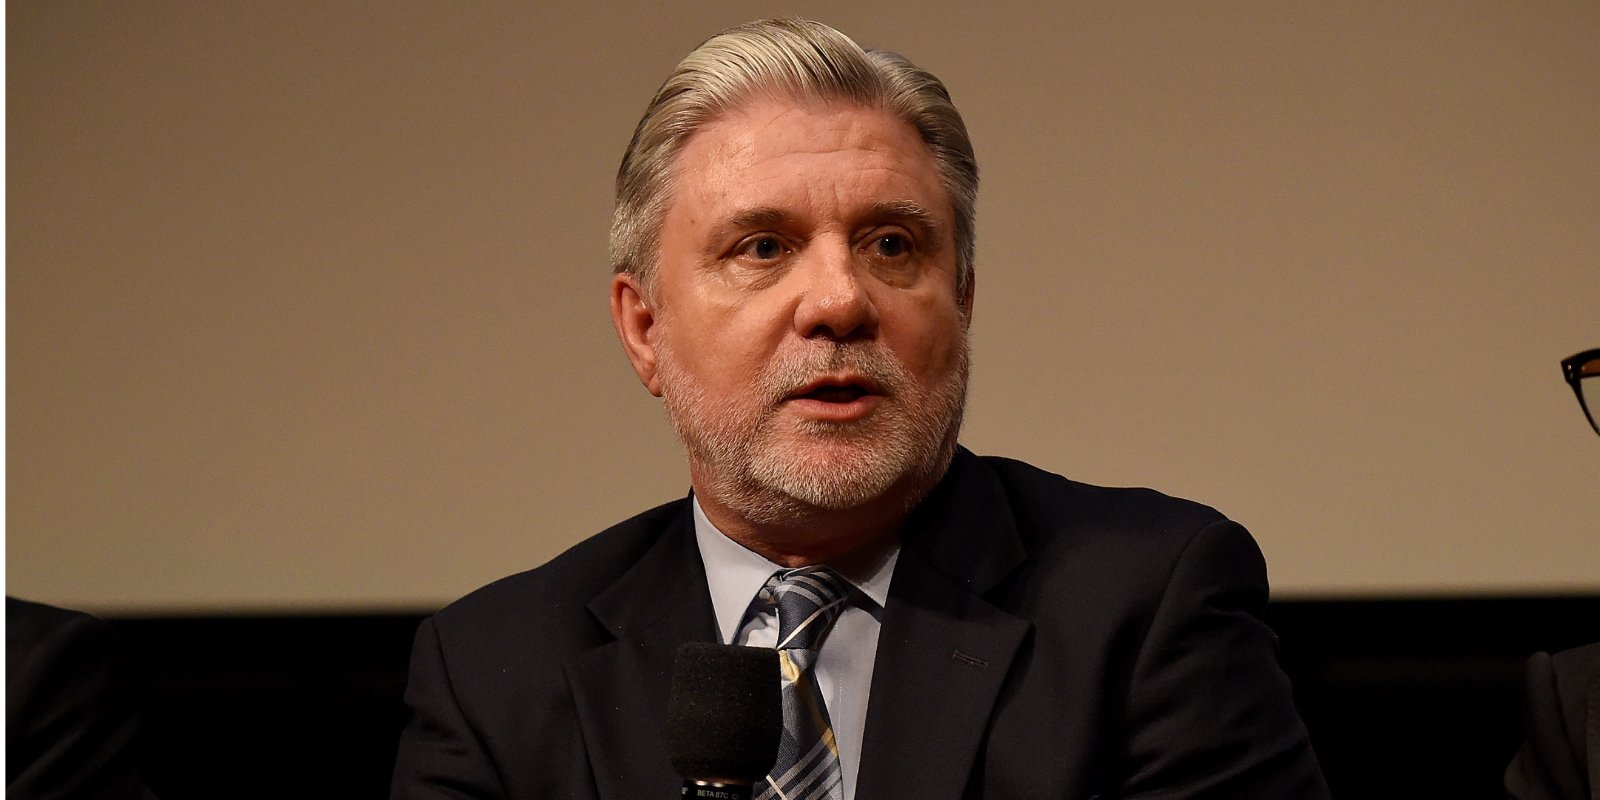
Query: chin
x: 843, y: 475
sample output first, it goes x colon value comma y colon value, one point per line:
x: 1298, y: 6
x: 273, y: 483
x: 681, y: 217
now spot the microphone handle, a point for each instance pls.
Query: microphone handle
x: 717, y: 790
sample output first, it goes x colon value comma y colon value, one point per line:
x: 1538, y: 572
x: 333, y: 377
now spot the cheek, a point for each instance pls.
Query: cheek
x: 735, y: 339
x: 722, y: 356
x: 940, y: 357
x: 927, y: 337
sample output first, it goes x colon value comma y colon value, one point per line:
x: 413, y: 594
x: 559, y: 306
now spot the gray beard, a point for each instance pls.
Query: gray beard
x: 904, y: 446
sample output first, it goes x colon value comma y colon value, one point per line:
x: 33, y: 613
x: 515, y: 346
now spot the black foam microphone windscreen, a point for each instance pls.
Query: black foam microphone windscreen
x: 725, y: 713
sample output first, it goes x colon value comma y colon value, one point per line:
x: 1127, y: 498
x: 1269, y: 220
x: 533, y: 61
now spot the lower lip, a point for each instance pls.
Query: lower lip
x: 824, y: 411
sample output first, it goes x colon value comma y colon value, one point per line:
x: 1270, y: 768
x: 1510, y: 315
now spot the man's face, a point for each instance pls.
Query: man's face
x: 803, y: 325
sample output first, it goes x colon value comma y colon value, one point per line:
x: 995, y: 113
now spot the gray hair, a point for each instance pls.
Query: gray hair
x: 784, y: 58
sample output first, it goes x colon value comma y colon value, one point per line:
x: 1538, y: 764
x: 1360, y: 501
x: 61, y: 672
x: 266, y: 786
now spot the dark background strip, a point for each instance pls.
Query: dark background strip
x: 1405, y: 698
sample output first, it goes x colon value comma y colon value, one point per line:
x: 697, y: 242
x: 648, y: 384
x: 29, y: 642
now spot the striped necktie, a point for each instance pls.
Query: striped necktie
x: 808, y: 600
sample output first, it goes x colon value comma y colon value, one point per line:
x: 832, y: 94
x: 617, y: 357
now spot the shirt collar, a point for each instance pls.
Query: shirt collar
x: 734, y: 574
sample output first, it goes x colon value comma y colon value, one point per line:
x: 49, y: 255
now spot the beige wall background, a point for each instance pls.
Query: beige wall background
x: 306, y: 300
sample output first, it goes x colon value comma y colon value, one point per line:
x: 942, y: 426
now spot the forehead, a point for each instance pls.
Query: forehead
x: 824, y: 154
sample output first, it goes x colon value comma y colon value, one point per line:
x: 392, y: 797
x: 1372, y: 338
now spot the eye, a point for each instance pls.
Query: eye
x: 891, y: 245
x: 891, y: 252
x: 762, y: 248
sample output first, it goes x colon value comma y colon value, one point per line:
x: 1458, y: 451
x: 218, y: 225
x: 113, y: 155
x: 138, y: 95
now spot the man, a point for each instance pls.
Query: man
x: 793, y: 242
x: 1560, y: 756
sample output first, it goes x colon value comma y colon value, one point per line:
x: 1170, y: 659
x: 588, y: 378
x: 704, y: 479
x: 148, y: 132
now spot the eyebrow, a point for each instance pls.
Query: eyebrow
x: 902, y: 211
x: 758, y: 217
x: 750, y: 218
x: 911, y: 215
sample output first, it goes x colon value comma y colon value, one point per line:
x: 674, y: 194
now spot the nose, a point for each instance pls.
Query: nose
x: 834, y: 302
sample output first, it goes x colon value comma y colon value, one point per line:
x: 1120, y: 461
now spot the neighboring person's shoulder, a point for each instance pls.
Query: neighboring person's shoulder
x: 1556, y: 761
x: 1578, y: 667
x: 30, y: 624
x: 47, y: 645
x: 71, y: 706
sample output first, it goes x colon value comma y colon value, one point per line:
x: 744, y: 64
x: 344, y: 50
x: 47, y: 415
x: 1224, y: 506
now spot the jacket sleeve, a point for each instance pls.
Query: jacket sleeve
x: 440, y: 755
x: 1563, y: 704
x: 71, y: 716
x: 1212, y: 714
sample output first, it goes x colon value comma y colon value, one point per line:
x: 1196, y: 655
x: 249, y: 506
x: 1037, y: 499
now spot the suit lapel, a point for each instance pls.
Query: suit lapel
x: 620, y: 688
x: 943, y: 650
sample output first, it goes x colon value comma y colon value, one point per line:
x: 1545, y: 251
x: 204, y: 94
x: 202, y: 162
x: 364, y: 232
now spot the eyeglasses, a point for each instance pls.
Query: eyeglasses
x: 1583, y: 372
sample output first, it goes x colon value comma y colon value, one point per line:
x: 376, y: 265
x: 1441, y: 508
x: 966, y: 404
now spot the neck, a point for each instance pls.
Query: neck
x: 800, y: 535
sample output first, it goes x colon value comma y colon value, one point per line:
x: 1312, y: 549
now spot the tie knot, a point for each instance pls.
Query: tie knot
x: 808, y: 599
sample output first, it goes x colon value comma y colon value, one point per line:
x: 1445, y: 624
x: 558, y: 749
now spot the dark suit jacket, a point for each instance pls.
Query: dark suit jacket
x: 1560, y: 760
x: 70, y: 708
x: 1042, y: 639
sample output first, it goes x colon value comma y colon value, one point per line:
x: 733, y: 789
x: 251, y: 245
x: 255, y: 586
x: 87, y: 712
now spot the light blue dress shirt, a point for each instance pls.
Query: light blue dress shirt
x: 844, y: 663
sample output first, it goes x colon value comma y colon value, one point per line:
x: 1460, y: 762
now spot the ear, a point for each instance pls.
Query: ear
x: 635, y: 320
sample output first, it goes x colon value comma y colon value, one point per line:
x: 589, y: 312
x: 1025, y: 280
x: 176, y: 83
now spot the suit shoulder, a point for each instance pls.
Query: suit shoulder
x: 1136, y: 535
x: 572, y: 578
x: 1044, y: 498
x: 1581, y: 660
x: 1577, y: 671
x: 36, y: 630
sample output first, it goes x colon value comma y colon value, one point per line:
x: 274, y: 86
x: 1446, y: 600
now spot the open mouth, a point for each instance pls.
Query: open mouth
x: 835, y: 394
x: 838, y: 390
x: 837, y: 398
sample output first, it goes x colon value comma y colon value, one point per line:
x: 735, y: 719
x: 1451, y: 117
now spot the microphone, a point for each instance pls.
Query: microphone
x: 724, y: 719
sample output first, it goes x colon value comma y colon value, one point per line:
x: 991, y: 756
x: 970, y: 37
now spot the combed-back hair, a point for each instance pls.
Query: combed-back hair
x: 783, y: 58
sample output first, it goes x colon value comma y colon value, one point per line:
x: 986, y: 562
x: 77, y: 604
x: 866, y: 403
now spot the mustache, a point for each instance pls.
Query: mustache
x: 791, y: 370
